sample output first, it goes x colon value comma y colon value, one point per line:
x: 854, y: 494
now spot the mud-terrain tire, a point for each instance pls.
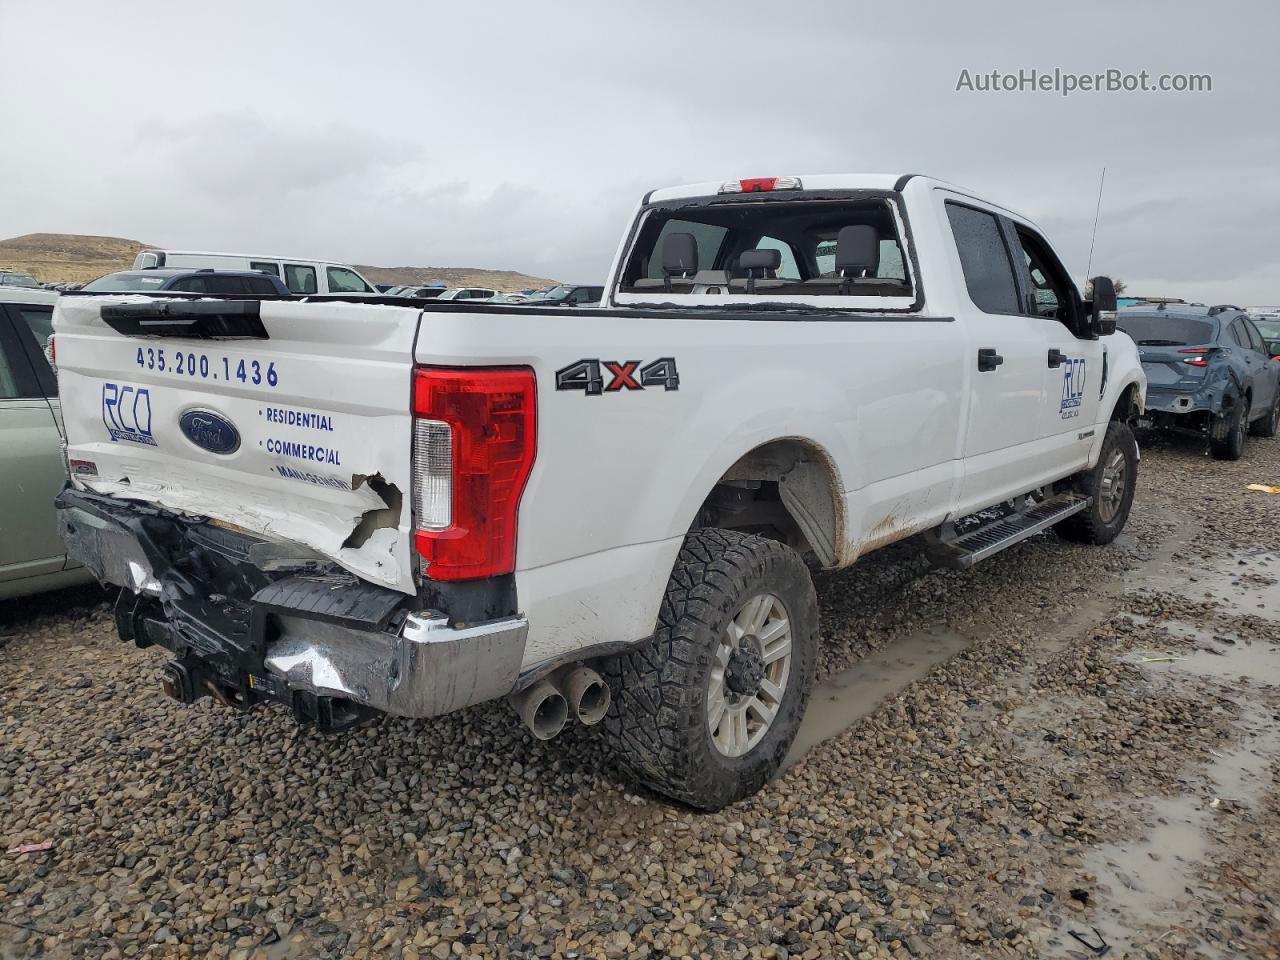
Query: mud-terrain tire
x: 1111, y: 483
x: 1268, y: 425
x: 701, y: 664
x: 1227, y: 435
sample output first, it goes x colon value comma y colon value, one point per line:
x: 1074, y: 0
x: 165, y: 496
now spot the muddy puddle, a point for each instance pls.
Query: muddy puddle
x: 1152, y: 880
x: 843, y: 699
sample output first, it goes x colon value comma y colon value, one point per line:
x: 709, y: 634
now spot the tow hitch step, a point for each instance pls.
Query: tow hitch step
x: 968, y: 548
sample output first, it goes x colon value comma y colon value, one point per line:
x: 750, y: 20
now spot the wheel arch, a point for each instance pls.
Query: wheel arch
x: 788, y: 488
x: 1128, y: 403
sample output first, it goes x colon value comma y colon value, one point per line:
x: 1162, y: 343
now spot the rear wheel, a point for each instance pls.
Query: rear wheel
x: 1227, y: 438
x: 706, y: 711
x: 1269, y: 424
x: 1111, y: 483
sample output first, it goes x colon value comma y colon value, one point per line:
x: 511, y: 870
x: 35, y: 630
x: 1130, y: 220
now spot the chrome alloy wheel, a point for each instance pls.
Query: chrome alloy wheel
x: 1115, y: 478
x: 749, y: 676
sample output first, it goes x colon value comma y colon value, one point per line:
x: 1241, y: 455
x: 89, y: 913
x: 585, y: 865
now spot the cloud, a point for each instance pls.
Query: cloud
x: 499, y: 136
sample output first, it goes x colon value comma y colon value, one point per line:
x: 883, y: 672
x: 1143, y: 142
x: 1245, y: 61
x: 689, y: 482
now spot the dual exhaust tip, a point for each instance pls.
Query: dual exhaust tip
x: 544, y: 707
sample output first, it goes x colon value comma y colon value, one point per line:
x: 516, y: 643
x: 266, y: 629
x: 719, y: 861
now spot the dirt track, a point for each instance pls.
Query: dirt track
x: 1025, y: 776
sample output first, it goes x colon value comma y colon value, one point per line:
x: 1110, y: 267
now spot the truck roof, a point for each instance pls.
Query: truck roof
x: 828, y: 181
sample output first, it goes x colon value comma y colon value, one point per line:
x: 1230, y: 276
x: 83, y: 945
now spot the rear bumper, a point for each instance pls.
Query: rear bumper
x: 253, y: 621
x: 1175, y: 401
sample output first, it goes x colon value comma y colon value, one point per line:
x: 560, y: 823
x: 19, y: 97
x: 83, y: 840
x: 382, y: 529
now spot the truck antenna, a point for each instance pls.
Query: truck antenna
x: 1094, y: 236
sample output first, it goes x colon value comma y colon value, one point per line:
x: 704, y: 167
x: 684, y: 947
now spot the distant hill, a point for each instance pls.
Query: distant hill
x: 67, y: 257
x: 506, y: 280
x: 73, y: 258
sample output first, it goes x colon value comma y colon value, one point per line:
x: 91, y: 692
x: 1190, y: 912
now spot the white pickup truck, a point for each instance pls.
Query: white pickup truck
x: 357, y: 507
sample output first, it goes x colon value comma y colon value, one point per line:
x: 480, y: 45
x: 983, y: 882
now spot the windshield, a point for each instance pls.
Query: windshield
x: 19, y: 280
x: 1269, y: 328
x: 1159, y: 330
x: 556, y: 293
x: 121, y: 282
x: 770, y: 248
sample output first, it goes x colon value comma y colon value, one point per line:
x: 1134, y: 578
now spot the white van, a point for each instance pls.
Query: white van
x: 299, y: 275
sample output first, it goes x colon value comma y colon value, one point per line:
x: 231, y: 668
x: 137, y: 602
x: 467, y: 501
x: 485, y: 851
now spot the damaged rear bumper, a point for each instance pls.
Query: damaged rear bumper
x: 254, y: 621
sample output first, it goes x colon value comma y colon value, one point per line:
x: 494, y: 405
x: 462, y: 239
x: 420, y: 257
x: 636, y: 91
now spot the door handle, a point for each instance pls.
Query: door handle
x: 988, y: 360
x: 1056, y: 357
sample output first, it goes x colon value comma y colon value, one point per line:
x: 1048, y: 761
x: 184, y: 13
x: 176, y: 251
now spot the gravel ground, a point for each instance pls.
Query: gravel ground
x: 1043, y: 779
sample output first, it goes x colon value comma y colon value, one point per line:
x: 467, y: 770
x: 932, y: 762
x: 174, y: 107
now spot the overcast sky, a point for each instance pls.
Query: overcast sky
x: 520, y: 135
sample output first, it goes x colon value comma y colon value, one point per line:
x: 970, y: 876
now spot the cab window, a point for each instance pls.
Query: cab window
x: 805, y: 234
x: 265, y: 266
x: 984, y: 259
x: 1052, y: 294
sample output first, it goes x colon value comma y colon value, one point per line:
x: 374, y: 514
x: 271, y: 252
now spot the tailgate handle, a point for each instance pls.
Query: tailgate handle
x: 201, y: 319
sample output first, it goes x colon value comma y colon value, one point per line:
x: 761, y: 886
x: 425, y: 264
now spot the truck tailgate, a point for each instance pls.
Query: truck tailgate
x: 289, y: 420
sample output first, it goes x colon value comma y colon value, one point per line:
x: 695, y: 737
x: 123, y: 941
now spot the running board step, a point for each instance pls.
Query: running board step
x: 966, y: 550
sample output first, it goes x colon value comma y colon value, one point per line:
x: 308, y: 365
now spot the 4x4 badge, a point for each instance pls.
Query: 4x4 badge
x: 586, y: 375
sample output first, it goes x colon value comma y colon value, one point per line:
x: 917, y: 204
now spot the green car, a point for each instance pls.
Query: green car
x: 32, y: 467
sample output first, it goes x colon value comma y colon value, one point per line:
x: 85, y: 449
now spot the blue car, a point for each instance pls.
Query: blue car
x: 1208, y: 369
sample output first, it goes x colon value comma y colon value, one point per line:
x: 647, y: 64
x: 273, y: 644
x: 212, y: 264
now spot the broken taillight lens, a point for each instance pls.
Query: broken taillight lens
x: 474, y: 440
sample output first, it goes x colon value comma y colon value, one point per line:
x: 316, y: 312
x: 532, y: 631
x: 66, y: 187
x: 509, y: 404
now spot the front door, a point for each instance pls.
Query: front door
x: 1073, y: 361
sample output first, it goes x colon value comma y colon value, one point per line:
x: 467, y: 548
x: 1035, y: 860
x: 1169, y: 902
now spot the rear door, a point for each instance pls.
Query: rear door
x: 32, y: 470
x: 1262, y: 369
x: 1270, y: 367
x: 1007, y: 357
x: 287, y: 419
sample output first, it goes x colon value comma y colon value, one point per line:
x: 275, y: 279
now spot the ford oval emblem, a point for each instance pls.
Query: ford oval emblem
x: 210, y: 431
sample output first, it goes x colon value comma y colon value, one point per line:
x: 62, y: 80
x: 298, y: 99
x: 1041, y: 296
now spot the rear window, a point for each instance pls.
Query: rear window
x: 213, y: 283
x: 125, y: 282
x: 801, y: 237
x: 19, y: 280
x: 1159, y: 330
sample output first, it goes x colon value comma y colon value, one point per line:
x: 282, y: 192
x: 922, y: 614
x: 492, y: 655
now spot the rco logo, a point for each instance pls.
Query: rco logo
x: 126, y: 412
x: 1072, y: 386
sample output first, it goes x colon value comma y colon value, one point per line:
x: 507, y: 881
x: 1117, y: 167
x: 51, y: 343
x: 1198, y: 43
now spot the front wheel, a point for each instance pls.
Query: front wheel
x: 1111, y: 483
x: 706, y: 711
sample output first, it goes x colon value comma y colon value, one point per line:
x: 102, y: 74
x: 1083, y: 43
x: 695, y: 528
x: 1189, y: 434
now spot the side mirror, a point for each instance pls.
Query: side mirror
x: 1103, y: 306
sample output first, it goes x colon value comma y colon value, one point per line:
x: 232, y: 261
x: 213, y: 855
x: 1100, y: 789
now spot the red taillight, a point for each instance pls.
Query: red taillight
x: 475, y: 435
x: 1201, y: 358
